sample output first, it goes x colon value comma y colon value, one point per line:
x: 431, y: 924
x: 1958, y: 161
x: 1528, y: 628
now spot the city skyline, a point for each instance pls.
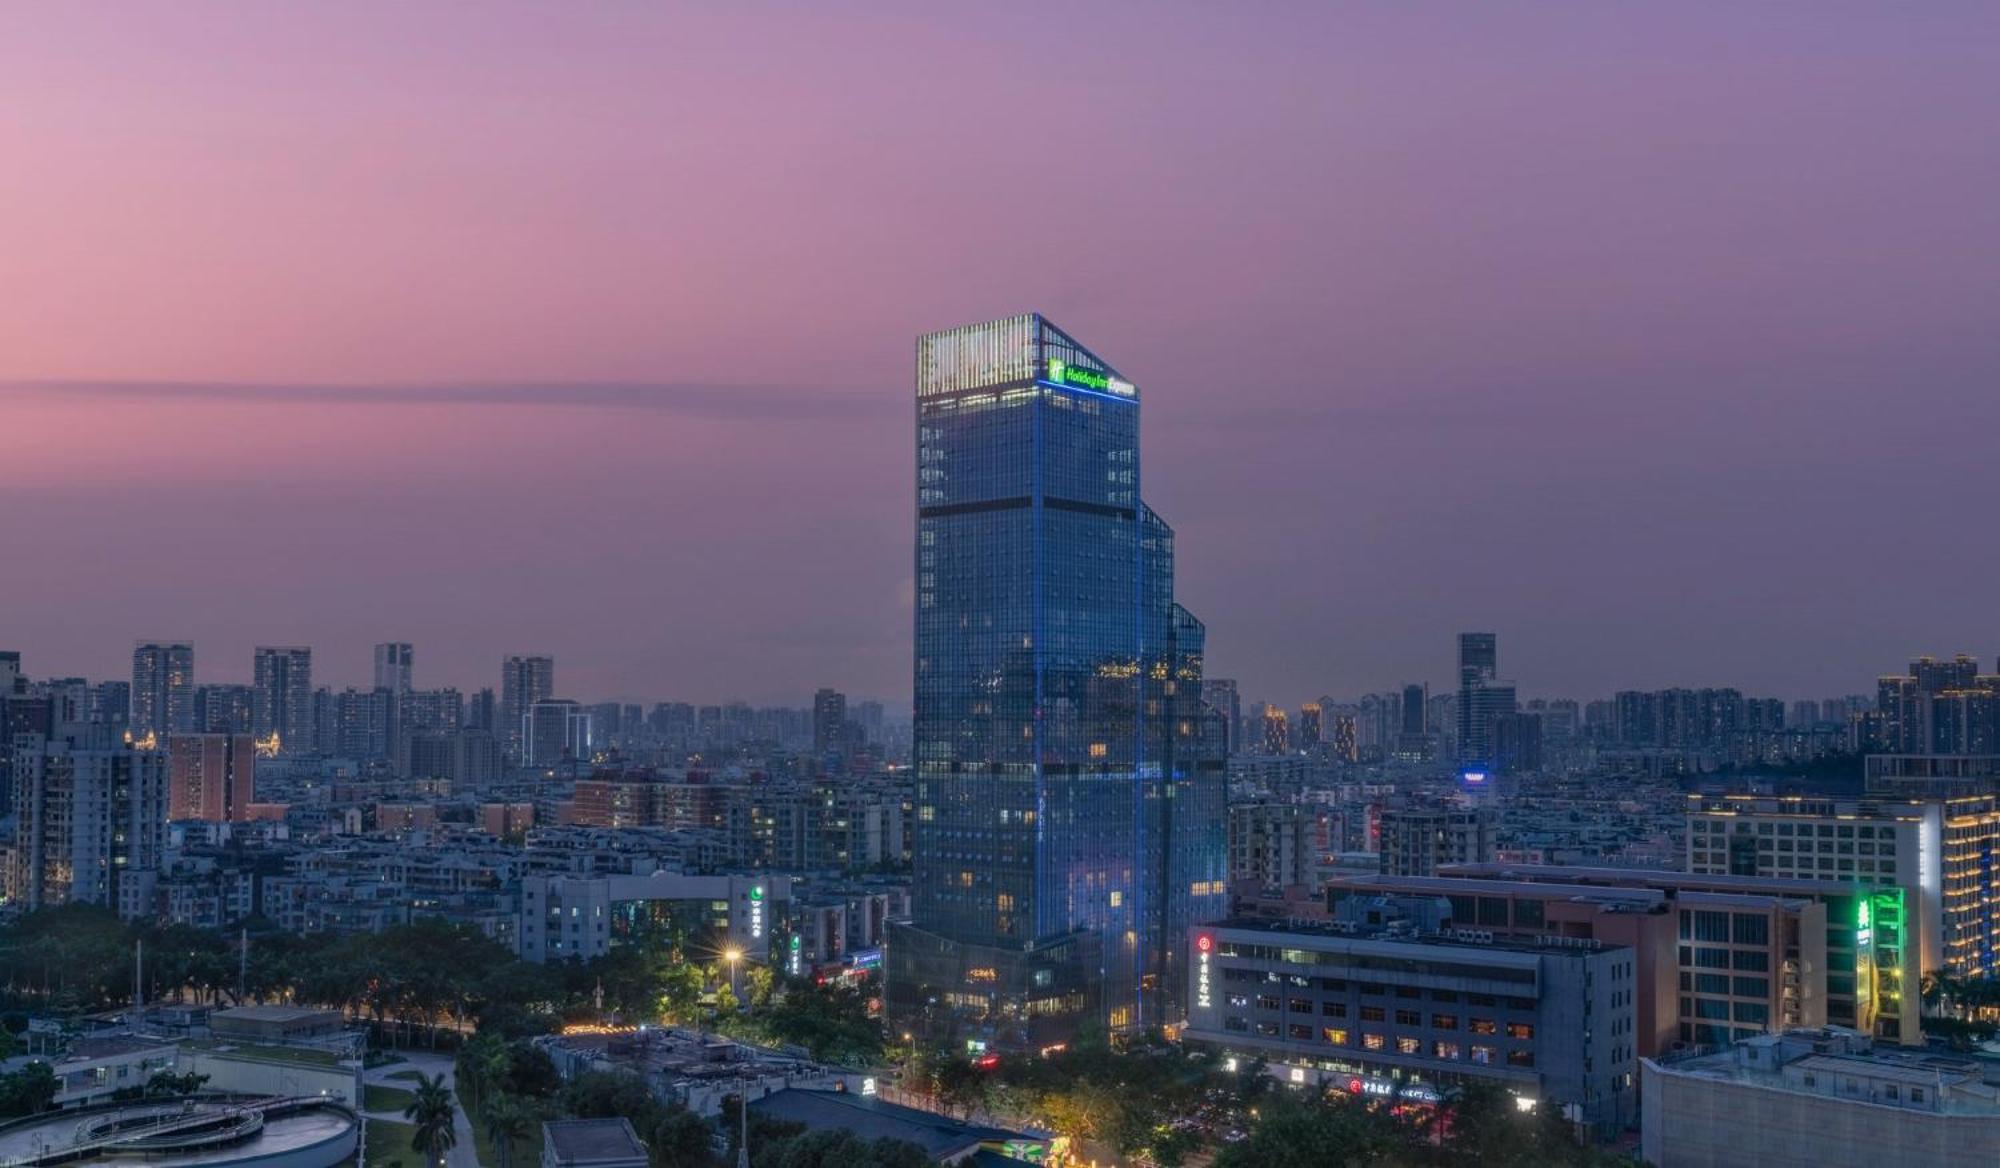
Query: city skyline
x: 1124, y: 583
x: 1859, y: 686
x: 1511, y: 345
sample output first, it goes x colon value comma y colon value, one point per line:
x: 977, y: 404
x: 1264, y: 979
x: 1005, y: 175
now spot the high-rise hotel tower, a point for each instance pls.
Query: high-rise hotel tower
x: 1070, y: 793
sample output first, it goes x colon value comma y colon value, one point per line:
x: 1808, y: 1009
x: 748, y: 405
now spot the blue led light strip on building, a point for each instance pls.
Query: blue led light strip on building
x: 1130, y: 401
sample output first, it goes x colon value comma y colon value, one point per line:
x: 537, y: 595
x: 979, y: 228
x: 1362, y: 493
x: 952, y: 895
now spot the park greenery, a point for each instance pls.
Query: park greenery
x: 1151, y: 1102
x: 436, y: 984
x: 432, y: 983
x: 1478, y: 1128
x: 28, y: 1091
x: 422, y: 983
x: 509, y: 1088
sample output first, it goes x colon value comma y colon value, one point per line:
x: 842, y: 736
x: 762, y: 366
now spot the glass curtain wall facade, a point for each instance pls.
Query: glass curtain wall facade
x: 1070, y: 808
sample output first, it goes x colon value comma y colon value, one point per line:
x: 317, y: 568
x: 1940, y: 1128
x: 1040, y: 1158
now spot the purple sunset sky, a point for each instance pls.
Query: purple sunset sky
x: 1659, y: 339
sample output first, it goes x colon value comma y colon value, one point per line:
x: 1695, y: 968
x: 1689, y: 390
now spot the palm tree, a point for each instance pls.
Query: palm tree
x: 432, y: 1110
x: 507, y: 1119
x: 482, y: 1069
x: 1943, y: 995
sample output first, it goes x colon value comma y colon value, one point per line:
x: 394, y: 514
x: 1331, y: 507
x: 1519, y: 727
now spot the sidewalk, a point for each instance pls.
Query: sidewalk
x: 463, y: 1154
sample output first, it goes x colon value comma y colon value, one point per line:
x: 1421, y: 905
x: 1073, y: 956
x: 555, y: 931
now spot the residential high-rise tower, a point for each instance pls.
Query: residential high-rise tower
x: 523, y: 682
x: 393, y: 662
x: 282, y: 678
x: 90, y: 815
x: 162, y: 688
x: 211, y: 776
x: 829, y: 724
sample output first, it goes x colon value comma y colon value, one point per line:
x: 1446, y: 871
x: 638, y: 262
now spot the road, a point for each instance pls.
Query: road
x: 463, y: 1154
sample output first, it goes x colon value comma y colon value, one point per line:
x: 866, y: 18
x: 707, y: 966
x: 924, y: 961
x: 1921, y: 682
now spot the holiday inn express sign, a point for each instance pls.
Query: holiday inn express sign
x: 1062, y: 372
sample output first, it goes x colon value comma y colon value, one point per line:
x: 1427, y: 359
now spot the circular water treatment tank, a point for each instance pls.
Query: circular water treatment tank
x: 264, y: 1133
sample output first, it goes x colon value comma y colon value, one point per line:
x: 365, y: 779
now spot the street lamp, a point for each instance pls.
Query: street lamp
x: 733, y: 955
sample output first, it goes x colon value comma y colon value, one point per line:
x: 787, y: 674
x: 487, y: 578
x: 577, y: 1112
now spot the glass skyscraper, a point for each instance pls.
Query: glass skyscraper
x: 1070, y: 792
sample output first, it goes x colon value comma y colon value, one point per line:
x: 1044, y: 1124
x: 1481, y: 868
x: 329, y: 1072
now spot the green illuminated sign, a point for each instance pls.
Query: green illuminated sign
x: 757, y: 892
x: 1063, y: 373
x: 1878, y: 958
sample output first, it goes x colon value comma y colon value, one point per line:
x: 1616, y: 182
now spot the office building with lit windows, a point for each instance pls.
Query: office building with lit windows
x: 1070, y: 804
x: 1926, y: 866
x: 1394, y: 999
x: 1866, y: 967
x: 1713, y: 967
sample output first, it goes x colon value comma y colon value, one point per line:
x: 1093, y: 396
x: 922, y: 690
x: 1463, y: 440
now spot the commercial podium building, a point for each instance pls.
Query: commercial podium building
x: 1394, y: 999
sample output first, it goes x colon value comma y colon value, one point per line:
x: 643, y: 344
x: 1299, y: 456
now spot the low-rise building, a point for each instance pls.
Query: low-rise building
x: 944, y: 1139
x: 565, y: 917
x: 96, y: 1069
x: 1416, y: 841
x: 276, y: 1024
x: 1818, y: 1099
x: 591, y: 1143
x: 1869, y: 961
x: 1391, y: 998
x: 697, y: 1071
x: 1929, y: 861
x: 1272, y: 844
x: 1713, y: 966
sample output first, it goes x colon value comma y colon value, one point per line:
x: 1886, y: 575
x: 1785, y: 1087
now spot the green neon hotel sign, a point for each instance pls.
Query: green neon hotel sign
x: 1063, y: 373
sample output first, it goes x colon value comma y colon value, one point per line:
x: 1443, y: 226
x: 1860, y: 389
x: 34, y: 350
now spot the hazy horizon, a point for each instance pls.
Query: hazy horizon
x: 1657, y: 342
